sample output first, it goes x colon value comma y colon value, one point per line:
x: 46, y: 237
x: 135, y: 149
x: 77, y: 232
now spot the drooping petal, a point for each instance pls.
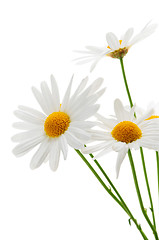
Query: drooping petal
x: 54, y: 155
x: 63, y: 145
x: 73, y: 141
x: 40, y: 155
x: 26, y: 146
x: 120, y: 158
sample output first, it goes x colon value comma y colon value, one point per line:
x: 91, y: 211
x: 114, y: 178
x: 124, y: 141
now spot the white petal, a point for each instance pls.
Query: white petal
x: 118, y: 146
x: 100, y: 135
x: 26, y: 146
x: 86, y: 113
x: 146, y: 32
x: 109, y: 123
x: 63, y: 145
x: 40, y: 100
x: 95, y: 148
x: 79, y: 89
x: 24, y: 125
x: 33, y: 112
x: 113, y: 41
x: 82, y: 134
x: 54, y: 155
x: 95, y: 85
x: 147, y: 143
x: 48, y: 97
x: 94, y: 64
x: 93, y: 99
x: 83, y: 124
x: 27, y: 135
x: 55, y: 94
x: 66, y: 97
x: 119, y: 110
x: 28, y: 118
x: 144, y: 116
x: 106, y: 150
x: 73, y: 141
x: 120, y: 158
x: 127, y: 37
x: 40, y: 155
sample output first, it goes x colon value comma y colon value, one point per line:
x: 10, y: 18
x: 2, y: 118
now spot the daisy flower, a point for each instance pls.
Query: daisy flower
x: 124, y: 132
x: 59, y: 125
x: 116, y: 48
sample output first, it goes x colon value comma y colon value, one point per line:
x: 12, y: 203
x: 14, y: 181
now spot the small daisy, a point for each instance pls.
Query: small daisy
x: 124, y: 132
x: 116, y: 48
x: 59, y: 125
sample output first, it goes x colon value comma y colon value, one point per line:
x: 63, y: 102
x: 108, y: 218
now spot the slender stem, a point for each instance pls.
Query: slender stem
x: 157, y: 158
x: 139, y: 194
x: 148, y: 187
x: 125, y: 208
x: 125, y: 81
x: 142, y: 155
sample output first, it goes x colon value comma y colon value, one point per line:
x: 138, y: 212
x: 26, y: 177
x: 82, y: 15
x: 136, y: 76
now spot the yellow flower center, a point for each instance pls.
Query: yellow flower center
x: 120, y: 53
x: 126, y: 131
x: 56, y: 124
x: 152, y: 117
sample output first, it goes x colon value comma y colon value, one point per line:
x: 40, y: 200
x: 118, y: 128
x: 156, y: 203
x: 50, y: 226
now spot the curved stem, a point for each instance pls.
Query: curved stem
x: 139, y: 194
x: 148, y: 187
x: 125, y: 208
x: 141, y: 151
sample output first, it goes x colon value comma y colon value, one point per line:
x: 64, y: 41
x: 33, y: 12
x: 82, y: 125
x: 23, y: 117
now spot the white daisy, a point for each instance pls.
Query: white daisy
x: 116, y: 48
x: 59, y: 125
x: 124, y: 132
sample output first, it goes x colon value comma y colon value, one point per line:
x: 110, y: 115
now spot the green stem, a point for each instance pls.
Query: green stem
x: 139, y: 195
x: 141, y: 151
x: 157, y: 158
x: 125, y: 81
x: 148, y: 187
x: 119, y: 196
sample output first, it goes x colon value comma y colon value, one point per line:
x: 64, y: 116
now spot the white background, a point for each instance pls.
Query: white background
x: 37, y: 38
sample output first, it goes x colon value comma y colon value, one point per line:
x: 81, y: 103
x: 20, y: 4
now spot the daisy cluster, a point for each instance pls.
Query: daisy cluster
x: 65, y: 123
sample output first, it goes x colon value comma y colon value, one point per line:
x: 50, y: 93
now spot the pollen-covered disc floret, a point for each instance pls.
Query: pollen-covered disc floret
x: 126, y: 131
x: 56, y: 124
x: 120, y: 53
